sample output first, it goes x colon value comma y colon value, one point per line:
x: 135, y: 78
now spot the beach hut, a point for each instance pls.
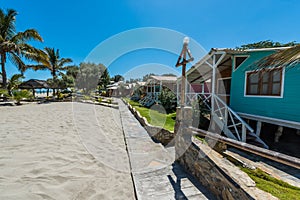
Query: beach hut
x: 239, y: 94
x: 34, y: 84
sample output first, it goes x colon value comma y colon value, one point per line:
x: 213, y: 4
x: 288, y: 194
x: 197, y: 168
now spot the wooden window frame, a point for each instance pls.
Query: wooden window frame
x: 260, y: 83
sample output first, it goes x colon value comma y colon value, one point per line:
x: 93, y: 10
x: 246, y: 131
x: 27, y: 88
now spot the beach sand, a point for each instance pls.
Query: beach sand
x: 63, y: 151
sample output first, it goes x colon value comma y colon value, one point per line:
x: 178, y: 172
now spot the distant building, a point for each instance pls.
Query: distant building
x: 155, y: 85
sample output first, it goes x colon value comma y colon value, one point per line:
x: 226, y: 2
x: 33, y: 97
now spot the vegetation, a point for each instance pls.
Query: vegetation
x: 266, y: 44
x: 3, y: 93
x: 154, y: 117
x: 14, y: 46
x: 117, y: 78
x: 104, y: 79
x: 88, y: 76
x: 53, y: 62
x: 13, y: 83
x: 284, y: 58
x: 18, y: 95
x: 147, y: 76
x: 168, y: 100
x: 278, y: 188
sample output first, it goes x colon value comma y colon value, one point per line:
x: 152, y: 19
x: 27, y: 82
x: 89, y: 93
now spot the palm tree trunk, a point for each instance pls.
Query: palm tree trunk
x: 54, y: 79
x: 4, y: 77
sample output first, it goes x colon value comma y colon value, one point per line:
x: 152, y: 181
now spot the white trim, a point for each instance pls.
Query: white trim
x: 233, y: 61
x: 270, y: 120
x: 267, y: 49
x: 266, y: 96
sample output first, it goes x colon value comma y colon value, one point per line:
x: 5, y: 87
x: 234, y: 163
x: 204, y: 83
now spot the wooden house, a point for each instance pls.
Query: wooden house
x: 238, y: 93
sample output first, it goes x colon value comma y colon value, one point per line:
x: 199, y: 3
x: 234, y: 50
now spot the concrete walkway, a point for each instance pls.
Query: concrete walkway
x: 155, y: 174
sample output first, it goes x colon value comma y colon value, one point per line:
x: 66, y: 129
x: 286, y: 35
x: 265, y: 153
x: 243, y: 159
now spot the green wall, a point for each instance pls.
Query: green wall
x: 286, y: 108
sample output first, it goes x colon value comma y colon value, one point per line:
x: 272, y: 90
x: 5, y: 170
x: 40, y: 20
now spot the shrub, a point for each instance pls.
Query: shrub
x: 168, y: 100
x: 18, y: 95
x: 3, y: 93
x: 85, y: 97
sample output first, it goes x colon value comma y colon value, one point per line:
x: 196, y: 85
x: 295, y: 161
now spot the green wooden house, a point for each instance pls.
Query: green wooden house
x: 239, y: 92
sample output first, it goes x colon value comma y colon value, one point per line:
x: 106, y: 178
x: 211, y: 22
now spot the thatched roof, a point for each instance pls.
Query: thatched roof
x: 34, y: 84
x: 285, y: 57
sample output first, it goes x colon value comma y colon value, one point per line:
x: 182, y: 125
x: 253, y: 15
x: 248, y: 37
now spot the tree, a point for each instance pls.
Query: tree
x: 72, y: 71
x: 53, y: 62
x: 88, y: 76
x: 13, y: 83
x: 169, y: 74
x: 14, y: 45
x: 168, y: 99
x: 68, y: 78
x: 117, y: 78
x: 266, y: 44
x: 147, y: 76
x: 104, y: 79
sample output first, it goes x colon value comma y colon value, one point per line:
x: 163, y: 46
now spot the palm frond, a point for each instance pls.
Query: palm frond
x: 64, y: 61
x: 8, y: 46
x: 52, y: 57
x: 38, y: 67
x: 16, y: 77
x: 16, y: 60
x: 7, y: 21
x: 29, y: 34
x: 33, y: 54
x: 283, y: 58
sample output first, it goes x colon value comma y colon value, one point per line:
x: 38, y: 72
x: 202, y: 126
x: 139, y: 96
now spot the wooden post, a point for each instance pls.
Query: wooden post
x: 182, y: 61
x: 258, y: 128
x: 278, y: 133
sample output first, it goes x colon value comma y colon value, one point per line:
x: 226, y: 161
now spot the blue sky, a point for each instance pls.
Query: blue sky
x: 78, y: 27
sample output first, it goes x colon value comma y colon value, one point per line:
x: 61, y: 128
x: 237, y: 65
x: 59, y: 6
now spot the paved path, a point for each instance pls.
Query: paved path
x: 155, y: 174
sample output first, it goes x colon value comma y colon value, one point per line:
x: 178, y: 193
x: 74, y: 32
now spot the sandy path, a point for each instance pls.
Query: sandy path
x: 45, y: 156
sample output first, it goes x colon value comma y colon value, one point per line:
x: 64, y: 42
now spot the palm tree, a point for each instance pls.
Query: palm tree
x: 53, y: 62
x: 13, y: 83
x: 288, y: 57
x: 14, y: 45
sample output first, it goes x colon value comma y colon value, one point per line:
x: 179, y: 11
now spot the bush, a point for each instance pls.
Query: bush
x: 168, y: 100
x: 3, y: 93
x: 86, y: 97
x: 18, y: 95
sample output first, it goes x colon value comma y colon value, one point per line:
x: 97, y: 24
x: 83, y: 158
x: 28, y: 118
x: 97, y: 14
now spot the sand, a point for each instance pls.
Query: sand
x: 63, y: 151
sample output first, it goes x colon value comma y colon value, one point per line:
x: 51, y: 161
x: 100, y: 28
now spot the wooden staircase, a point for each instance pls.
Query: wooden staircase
x: 227, y: 120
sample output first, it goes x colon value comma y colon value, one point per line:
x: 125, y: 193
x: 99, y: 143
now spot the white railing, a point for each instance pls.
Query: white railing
x: 229, y: 121
x: 154, y: 95
x: 233, y: 125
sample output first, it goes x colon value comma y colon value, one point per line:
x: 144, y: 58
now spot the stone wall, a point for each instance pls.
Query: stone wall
x: 218, y: 175
x: 158, y: 134
x: 222, y: 178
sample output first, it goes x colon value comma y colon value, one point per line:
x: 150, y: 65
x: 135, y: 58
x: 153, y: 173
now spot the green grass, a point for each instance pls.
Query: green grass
x: 277, y: 188
x: 155, y: 118
x: 267, y: 183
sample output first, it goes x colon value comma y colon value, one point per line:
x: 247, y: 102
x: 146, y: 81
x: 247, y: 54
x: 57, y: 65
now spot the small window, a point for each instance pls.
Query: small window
x: 264, y: 82
x: 238, y: 60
